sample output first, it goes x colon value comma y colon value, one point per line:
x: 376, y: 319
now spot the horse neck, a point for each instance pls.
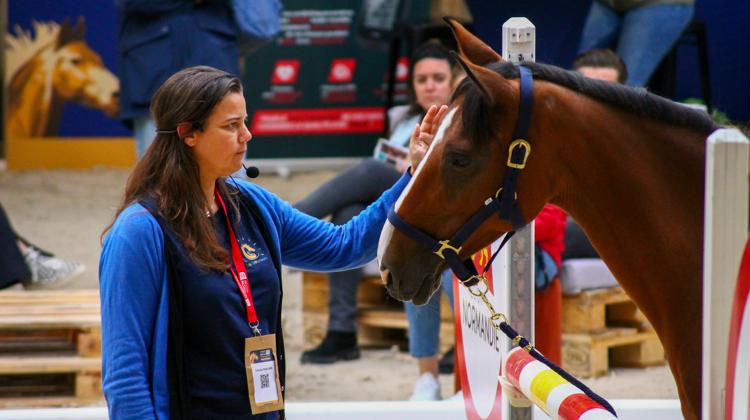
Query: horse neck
x: 34, y: 108
x: 636, y: 187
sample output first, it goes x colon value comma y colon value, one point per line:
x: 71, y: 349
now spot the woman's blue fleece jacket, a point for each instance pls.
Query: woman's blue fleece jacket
x: 135, y: 296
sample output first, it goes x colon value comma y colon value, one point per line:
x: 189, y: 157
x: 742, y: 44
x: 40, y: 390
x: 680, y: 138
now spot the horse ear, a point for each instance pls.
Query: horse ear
x: 80, y: 29
x: 69, y: 34
x: 470, y: 46
x: 491, y: 85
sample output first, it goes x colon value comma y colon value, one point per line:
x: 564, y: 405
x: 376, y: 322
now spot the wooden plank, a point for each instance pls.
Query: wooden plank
x: 63, y: 401
x: 592, y: 311
x: 648, y: 352
x: 22, y: 297
x: 36, y: 340
x: 17, y: 365
x: 315, y: 326
x: 314, y: 292
x: 89, y: 343
x: 383, y: 318
x: 36, y: 385
x: 587, y: 355
x: 88, y: 384
x: 50, y: 321
x: 627, y: 314
x: 16, y: 310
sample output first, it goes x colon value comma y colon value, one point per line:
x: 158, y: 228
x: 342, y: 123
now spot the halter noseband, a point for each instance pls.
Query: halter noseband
x: 504, y: 202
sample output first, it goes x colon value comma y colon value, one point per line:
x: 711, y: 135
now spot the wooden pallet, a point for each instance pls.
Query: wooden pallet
x: 590, y: 355
x: 50, y: 348
x: 593, y: 311
x: 381, y: 319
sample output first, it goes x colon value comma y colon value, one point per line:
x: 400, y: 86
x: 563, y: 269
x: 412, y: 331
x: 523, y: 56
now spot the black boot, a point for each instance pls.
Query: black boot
x: 335, y: 346
x: 445, y: 365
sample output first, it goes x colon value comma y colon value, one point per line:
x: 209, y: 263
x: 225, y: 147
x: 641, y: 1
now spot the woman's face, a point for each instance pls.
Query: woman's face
x: 432, y: 82
x: 220, y: 147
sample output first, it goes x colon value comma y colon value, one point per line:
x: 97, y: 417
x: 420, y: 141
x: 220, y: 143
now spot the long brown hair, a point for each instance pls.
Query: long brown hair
x: 168, y: 173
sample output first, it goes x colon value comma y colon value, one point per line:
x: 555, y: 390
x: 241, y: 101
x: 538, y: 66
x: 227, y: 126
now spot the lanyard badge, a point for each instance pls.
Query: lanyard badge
x: 263, y: 384
x: 239, y: 272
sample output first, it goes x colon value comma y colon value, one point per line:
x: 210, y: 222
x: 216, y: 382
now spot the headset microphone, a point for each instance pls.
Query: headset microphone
x: 251, y: 172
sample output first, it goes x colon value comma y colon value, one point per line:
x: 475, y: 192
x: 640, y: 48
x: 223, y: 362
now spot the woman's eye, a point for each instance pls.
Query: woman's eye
x: 459, y: 160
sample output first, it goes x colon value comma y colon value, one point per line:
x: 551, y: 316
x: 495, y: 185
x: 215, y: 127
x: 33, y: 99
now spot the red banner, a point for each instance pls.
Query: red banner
x: 318, y: 121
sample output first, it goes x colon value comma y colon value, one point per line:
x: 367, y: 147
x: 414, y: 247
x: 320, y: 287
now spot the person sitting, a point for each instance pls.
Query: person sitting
x: 24, y: 263
x: 347, y: 194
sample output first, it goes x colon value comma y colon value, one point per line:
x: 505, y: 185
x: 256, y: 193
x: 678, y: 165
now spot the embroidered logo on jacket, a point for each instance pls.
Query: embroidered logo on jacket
x: 252, y: 253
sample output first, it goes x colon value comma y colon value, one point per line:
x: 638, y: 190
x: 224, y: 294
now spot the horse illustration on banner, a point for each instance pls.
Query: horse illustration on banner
x: 45, y: 71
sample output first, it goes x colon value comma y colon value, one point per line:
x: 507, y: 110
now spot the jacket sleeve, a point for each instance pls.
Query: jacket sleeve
x: 549, y: 224
x: 131, y: 273
x: 313, y: 244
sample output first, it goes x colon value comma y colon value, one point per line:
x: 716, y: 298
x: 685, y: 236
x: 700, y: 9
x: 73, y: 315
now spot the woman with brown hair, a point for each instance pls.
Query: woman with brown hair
x: 190, y: 270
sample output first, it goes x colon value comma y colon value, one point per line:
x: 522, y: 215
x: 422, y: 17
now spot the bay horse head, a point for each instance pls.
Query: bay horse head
x: 627, y: 165
x: 461, y: 174
x: 62, y: 68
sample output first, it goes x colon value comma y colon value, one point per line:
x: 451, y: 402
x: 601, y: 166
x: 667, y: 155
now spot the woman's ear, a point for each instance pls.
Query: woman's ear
x: 186, y: 132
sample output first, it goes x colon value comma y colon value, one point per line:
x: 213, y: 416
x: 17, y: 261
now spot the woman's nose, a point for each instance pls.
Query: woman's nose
x: 246, y: 134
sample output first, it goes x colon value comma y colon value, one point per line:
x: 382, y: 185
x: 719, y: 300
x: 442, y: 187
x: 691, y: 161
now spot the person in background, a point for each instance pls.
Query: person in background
x: 24, y: 263
x: 344, y: 196
x: 190, y: 270
x: 549, y: 241
x: 158, y: 38
x: 641, y: 32
x: 601, y: 64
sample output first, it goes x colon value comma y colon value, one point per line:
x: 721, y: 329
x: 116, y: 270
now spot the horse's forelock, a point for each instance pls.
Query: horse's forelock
x: 477, y: 123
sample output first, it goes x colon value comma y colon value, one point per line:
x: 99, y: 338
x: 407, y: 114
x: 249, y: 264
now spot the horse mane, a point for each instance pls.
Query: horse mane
x: 22, y: 46
x: 476, y: 116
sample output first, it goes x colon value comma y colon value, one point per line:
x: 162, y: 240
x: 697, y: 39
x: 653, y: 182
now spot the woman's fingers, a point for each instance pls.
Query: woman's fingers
x: 439, y: 117
x: 428, y: 119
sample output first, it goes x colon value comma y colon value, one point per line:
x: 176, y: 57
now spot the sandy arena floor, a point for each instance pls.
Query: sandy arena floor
x: 66, y: 211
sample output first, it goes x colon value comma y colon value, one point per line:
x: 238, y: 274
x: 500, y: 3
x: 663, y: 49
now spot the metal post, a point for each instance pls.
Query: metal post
x: 519, y: 44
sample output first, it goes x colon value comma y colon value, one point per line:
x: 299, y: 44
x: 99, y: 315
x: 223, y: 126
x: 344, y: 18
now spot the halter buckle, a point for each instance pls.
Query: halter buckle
x: 518, y: 143
x: 445, y: 244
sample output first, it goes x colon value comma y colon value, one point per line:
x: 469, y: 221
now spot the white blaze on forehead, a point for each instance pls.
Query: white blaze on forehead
x: 385, y: 238
x: 438, y: 138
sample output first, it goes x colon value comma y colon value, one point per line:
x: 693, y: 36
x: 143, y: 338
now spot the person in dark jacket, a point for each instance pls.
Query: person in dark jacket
x: 158, y: 38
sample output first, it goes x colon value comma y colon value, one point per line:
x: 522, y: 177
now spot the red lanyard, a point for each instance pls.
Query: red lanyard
x: 239, y: 272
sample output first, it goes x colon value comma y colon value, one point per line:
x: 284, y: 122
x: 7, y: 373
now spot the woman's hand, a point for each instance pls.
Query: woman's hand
x: 424, y: 132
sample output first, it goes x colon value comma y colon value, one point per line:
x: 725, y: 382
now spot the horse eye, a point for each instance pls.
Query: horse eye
x: 76, y: 61
x: 459, y: 160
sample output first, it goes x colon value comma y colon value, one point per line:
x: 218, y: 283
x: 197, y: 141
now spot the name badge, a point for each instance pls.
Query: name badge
x: 261, y: 369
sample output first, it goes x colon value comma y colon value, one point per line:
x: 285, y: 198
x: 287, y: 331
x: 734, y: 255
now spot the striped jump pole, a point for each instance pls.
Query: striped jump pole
x: 549, y: 391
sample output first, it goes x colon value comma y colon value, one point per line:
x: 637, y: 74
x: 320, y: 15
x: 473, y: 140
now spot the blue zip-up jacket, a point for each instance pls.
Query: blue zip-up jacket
x: 135, y: 297
x: 157, y: 38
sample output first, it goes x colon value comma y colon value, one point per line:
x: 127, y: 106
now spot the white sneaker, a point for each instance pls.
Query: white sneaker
x: 427, y: 388
x: 48, y: 272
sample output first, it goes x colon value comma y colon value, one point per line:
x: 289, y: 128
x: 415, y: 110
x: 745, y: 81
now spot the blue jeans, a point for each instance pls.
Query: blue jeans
x: 424, y: 321
x: 144, y: 131
x: 641, y: 36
